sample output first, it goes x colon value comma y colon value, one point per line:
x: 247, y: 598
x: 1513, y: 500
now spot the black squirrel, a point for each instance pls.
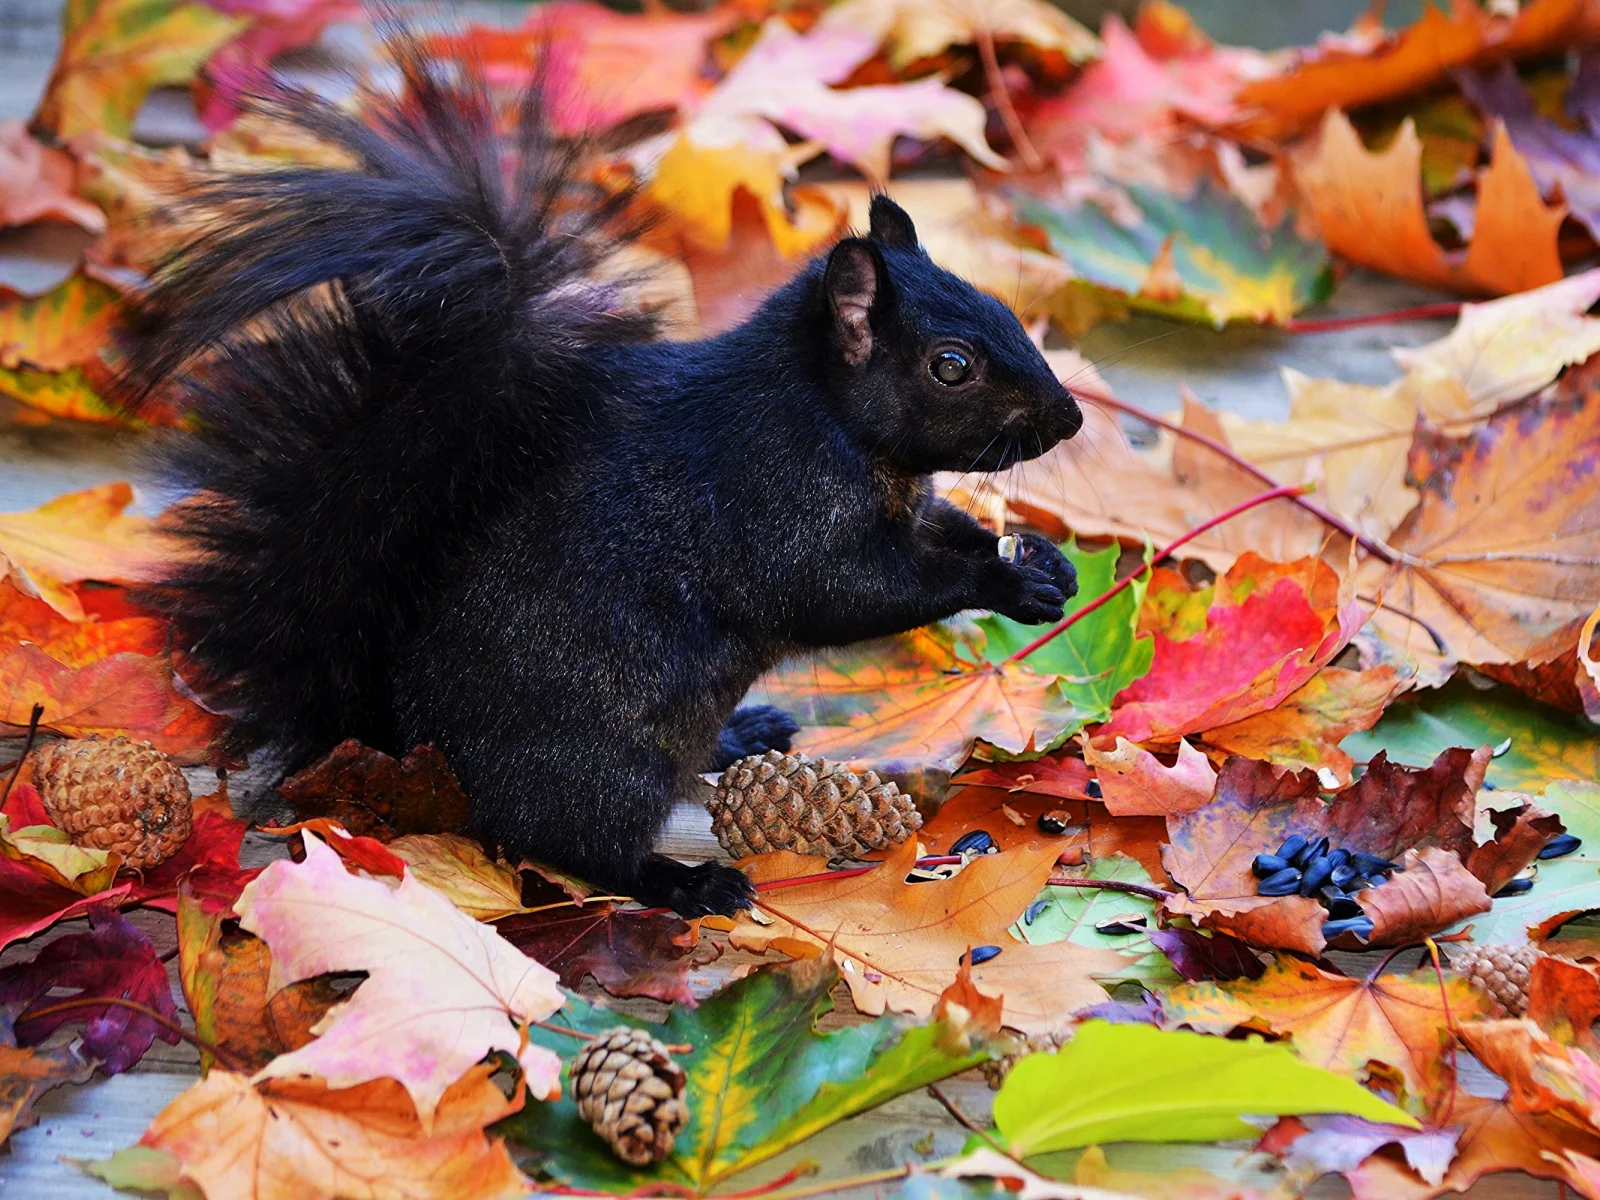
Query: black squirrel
x: 446, y: 488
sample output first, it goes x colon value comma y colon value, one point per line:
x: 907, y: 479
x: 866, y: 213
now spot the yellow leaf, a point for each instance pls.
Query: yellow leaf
x: 82, y: 535
x: 925, y: 28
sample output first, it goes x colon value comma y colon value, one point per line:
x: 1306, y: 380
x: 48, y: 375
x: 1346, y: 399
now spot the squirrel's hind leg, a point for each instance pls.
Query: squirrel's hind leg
x: 753, y: 729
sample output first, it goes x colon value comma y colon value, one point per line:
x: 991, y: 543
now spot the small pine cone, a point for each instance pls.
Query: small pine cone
x: 1502, y: 971
x: 996, y: 1069
x: 116, y: 795
x: 631, y: 1092
x: 777, y: 801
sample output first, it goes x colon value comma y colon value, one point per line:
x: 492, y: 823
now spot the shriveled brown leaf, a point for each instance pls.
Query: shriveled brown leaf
x: 1135, y: 783
x: 372, y: 794
x: 626, y: 953
x: 1432, y: 891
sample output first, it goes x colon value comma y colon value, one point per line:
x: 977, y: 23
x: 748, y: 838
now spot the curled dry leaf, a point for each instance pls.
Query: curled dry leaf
x: 1369, y: 209
x: 298, y: 1138
x: 370, y: 793
x: 1339, y: 1022
x: 1135, y: 783
x: 25, y: 1075
x: 441, y: 991
x: 898, y: 944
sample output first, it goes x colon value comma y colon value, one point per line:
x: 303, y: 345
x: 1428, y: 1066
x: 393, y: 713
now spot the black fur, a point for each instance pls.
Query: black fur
x: 451, y: 497
x: 753, y: 729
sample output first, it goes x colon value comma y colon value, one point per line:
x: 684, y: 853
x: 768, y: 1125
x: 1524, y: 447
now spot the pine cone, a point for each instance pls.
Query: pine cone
x: 776, y: 801
x: 1502, y: 971
x: 116, y: 795
x: 631, y: 1093
x: 996, y: 1069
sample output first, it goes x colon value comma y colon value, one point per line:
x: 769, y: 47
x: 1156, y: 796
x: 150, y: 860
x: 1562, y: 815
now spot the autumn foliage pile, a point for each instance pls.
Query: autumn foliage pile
x: 1371, y: 623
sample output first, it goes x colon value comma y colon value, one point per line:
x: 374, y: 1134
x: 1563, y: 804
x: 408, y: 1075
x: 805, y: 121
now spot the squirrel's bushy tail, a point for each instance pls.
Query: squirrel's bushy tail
x: 372, y: 358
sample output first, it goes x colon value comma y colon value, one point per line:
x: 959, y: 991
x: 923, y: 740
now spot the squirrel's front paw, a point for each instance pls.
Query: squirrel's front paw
x: 1038, y: 584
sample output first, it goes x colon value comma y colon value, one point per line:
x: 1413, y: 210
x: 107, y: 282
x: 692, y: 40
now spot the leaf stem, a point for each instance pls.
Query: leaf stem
x: 553, y: 1028
x: 1376, y: 549
x: 27, y: 745
x: 1282, y: 491
x: 1111, y: 885
x: 1419, y: 312
x: 1001, y: 95
x: 160, y: 1019
x: 1450, y: 1024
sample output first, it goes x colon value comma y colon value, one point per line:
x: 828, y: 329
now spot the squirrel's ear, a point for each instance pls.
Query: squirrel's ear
x: 855, y: 281
x: 890, y: 225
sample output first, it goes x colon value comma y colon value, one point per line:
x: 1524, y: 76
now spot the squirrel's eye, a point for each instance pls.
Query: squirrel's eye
x: 950, y: 368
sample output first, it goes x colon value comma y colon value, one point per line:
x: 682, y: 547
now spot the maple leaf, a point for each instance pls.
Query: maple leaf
x: 25, y: 1075
x: 1323, y: 1145
x: 1368, y: 208
x: 1503, y: 550
x: 458, y: 869
x: 760, y: 1077
x: 917, y: 29
x: 112, y: 959
x: 82, y: 535
x: 1199, y: 257
x: 275, y: 26
x: 900, y: 944
x: 25, y: 618
x: 783, y: 80
x: 1341, y: 1023
x: 114, y: 52
x: 626, y: 953
x: 1196, y: 956
x: 1135, y: 783
x: 299, y: 1138
x: 37, y: 183
x: 441, y: 991
x: 372, y: 794
x: 225, y: 977
x: 29, y: 902
x: 1263, y: 639
x: 67, y: 325
x: 1372, y: 66
x: 209, y: 858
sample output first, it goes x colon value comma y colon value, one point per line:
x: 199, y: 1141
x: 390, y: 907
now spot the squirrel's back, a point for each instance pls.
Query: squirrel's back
x: 373, y: 359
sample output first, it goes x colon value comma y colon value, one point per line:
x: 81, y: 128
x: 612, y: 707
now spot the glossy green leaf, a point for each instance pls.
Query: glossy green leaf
x: 760, y: 1078
x: 1212, y: 260
x: 1137, y: 1083
x: 1546, y: 744
x: 1071, y: 914
x: 1097, y: 657
x: 1564, y: 886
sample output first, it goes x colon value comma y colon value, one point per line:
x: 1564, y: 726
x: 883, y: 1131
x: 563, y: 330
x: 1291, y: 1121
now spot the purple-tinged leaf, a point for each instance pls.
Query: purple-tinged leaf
x: 1199, y: 957
x: 1342, y: 1143
x: 629, y: 954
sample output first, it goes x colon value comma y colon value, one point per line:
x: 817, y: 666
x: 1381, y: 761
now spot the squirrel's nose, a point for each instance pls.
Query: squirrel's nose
x: 1073, y: 414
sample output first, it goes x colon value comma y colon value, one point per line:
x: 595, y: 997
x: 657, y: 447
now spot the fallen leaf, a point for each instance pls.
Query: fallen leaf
x: 1259, y: 645
x: 1503, y: 550
x: 37, y: 183
x: 370, y: 793
x: 1135, y: 783
x: 25, y: 1075
x: 115, y: 52
x: 1196, y: 956
x: 1216, y: 263
x: 1543, y: 1075
x: 1340, y: 1023
x: 1368, y: 208
x: 50, y: 853
x: 26, y: 618
x: 458, y: 869
x: 626, y: 953
x: 82, y: 535
x: 1564, y: 1000
x: 1114, y: 1083
x: 29, y: 902
x: 113, y: 959
x: 135, y: 187
x: 1063, y: 913
x: 1353, y: 72
x: 1432, y: 891
x: 209, y: 860
x: 275, y: 26
x: 1340, y: 1144
x: 899, y: 944
x: 68, y: 325
x: 1494, y: 1137
x: 1305, y: 729
x: 982, y: 1162
x: 225, y: 977
x: 298, y: 1138
x: 918, y: 29
x: 760, y: 1078
x: 441, y: 989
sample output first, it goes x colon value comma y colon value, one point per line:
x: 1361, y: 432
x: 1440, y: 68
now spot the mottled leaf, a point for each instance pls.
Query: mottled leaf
x: 626, y: 953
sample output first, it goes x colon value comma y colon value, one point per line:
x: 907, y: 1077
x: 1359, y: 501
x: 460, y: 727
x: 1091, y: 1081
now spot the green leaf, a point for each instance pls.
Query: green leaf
x: 1565, y: 886
x: 1097, y: 657
x: 1546, y: 743
x: 1071, y: 914
x: 760, y: 1078
x: 1136, y: 1083
x: 142, y: 1169
x: 1227, y: 266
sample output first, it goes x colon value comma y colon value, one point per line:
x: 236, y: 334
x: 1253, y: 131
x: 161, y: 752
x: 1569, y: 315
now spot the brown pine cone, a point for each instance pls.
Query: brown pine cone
x: 1502, y: 971
x: 776, y: 801
x: 631, y: 1093
x: 996, y: 1069
x: 116, y: 795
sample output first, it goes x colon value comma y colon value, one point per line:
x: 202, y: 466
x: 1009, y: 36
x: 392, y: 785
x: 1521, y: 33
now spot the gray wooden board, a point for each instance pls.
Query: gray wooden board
x: 1142, y: 359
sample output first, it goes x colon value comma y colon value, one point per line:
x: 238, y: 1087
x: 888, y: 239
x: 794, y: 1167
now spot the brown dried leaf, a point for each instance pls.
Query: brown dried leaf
x: 373, y: 795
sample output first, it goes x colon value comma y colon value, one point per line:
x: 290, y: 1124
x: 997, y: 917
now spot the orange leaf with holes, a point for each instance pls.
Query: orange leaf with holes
x: 298, y: 1138
x: 1339, y: 1022
x: 82, y: 535
x: 1368, y: 208
x: 899, y: 945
